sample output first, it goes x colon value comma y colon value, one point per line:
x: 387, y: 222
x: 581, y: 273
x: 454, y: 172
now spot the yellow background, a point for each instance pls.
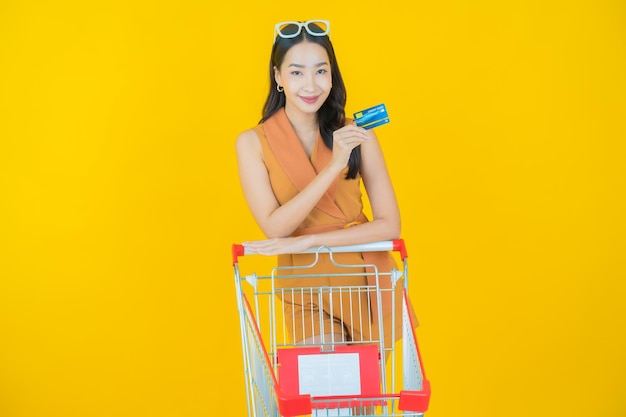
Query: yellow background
x: 119, y: 198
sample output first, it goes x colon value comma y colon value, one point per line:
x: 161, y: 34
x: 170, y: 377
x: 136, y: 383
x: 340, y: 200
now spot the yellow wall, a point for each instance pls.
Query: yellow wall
x: 119, y: 198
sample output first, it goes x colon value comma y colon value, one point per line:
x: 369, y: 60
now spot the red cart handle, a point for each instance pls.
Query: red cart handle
x: 396, y: 245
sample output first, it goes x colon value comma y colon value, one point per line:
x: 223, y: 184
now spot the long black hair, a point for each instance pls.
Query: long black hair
x: 332, y: 115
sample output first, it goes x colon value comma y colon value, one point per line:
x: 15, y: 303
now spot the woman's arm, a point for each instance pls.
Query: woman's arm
x: 280, y: 221
x: 385, y: 224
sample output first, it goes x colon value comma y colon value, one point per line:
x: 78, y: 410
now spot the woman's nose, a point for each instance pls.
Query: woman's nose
x: 309, y: 82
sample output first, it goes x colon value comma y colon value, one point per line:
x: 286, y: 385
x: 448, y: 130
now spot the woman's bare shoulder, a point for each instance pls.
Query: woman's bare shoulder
x: 248, y: 139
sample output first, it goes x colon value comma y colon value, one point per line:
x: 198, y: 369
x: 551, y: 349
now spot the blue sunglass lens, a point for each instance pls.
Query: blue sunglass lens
x: 317, y: 27
x: 289, y: 29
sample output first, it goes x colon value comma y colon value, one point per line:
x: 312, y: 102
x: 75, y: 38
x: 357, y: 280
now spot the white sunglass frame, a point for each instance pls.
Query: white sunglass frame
x: 301, y: 25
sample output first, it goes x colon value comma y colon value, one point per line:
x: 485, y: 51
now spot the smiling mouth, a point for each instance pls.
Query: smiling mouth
x: 309, y: 100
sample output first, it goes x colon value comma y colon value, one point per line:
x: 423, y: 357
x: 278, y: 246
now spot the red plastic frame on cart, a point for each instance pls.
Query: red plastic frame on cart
x: 369, y: 369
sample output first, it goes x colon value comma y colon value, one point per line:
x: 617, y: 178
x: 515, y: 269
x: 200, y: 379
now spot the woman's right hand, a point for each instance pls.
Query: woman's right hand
x: 345, y: 140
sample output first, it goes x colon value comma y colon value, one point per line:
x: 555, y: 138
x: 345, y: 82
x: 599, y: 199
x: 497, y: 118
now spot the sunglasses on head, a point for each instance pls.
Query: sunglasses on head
x: 292, y: 29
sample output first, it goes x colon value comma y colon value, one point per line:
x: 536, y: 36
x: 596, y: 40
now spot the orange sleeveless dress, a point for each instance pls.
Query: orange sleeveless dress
x: 290, y: 170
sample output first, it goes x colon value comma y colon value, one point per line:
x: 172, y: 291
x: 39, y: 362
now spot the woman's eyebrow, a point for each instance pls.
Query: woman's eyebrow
x: 320, y: 64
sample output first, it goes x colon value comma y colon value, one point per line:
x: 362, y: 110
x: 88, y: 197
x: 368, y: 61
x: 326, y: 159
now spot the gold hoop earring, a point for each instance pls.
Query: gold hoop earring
x: 280, y: 88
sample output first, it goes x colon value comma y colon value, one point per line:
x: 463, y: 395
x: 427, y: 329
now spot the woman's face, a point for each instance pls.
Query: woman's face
x: 306, y: 77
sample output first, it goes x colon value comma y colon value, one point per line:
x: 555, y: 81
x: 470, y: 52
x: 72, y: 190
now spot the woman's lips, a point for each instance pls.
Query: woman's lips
x: 309, y: 100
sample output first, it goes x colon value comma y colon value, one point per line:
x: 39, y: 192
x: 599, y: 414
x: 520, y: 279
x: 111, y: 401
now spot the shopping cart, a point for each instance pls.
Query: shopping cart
x: 327, y: 374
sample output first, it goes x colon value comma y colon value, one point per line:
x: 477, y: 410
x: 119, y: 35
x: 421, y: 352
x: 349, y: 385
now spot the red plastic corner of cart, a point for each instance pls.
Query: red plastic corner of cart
x: 292, y: 405
x: 238, y: 250
x: 399, y: 246
x: 415, y: 400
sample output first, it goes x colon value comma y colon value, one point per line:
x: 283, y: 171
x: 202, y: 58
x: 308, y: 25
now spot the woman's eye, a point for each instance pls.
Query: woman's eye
x: 296, y: 72
x: 322, y: 71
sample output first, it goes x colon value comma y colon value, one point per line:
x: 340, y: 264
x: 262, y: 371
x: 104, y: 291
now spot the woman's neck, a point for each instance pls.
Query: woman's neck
x: 306, y: 127
x: 302, y: 122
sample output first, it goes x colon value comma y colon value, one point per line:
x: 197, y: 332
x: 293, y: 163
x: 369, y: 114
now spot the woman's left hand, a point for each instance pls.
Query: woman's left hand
x: 278, y: 245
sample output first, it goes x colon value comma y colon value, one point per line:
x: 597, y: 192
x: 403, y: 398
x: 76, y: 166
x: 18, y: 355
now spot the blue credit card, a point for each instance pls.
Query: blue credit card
x: 372, y: 117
